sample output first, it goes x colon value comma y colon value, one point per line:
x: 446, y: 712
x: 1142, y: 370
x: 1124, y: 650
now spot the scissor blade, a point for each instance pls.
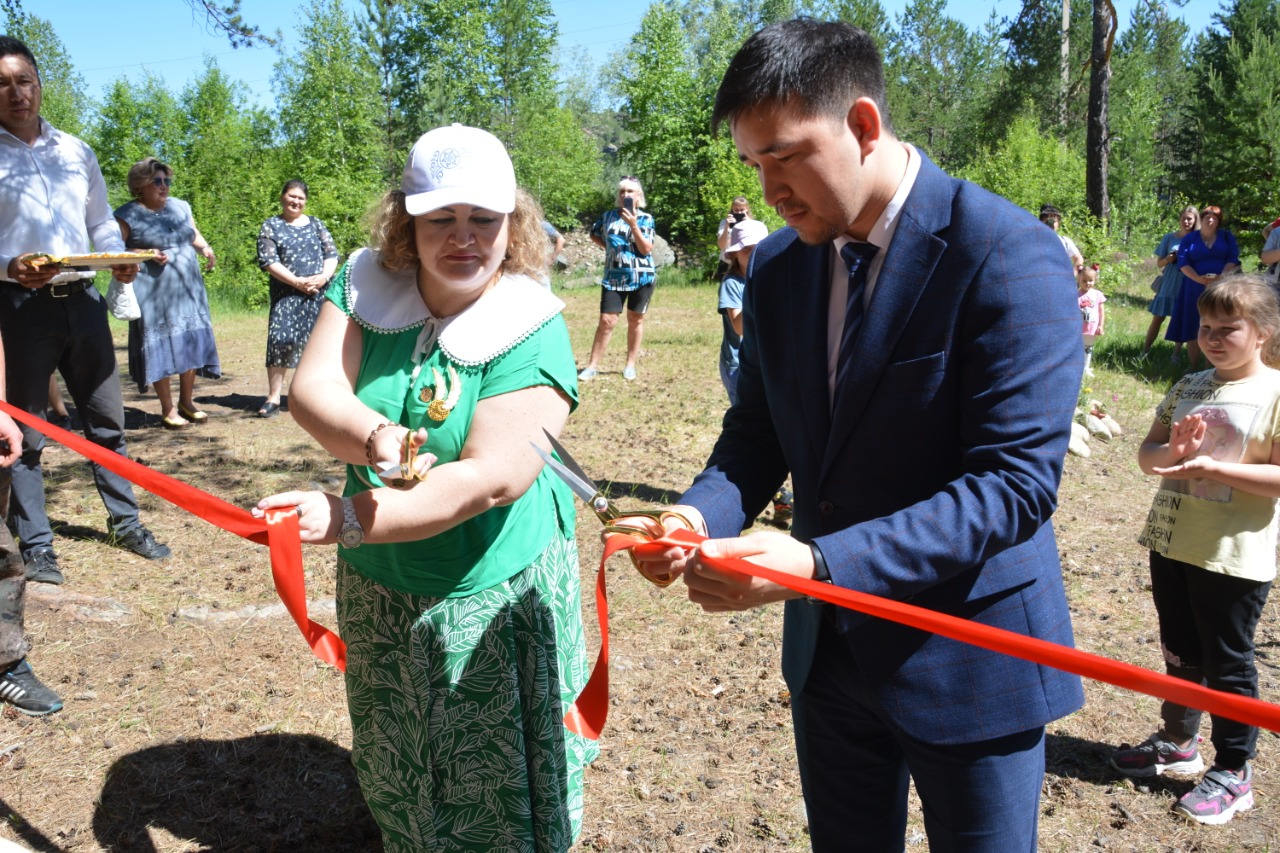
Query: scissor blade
x: 567, y: 458
x: 581, y: 487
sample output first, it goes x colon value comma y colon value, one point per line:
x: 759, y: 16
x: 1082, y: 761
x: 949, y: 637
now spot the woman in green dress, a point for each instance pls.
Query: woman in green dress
x: 458, y: 592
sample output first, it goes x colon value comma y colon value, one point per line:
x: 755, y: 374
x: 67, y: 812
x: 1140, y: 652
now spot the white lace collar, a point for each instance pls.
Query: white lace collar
x: 388, y: 303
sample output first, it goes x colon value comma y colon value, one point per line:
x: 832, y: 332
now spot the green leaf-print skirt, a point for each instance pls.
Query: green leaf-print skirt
x: 457, y: 704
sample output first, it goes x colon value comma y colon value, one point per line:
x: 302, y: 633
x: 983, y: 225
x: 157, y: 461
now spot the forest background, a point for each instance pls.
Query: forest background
x: 1193, y: 115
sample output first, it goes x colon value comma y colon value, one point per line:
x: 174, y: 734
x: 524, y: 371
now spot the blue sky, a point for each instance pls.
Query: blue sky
x: 167, y: 39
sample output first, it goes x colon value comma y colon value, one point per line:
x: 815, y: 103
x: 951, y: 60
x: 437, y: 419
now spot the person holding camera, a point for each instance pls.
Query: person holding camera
x: 626, y: 234
x: 739, y: 211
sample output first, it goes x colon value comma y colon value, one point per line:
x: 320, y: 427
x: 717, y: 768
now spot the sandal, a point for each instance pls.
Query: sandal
x: 269, y: 410
x: 194, y: 415
x: 176, y: 423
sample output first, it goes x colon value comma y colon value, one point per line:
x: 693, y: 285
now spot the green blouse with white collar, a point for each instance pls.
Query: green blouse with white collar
x: 398, y: 382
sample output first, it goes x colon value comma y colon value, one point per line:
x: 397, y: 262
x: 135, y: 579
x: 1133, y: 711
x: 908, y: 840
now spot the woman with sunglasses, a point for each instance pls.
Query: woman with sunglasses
x: 175, y: 333
x: 1204, y: 256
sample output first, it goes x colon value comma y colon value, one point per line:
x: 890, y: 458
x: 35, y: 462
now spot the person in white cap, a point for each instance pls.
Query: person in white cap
x: 626, y: 234
x: 457, y: 592
x: 743, y: 238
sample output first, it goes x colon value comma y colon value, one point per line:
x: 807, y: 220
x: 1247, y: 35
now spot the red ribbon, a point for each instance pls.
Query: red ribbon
x: 587, y: 715
x: 279, y: 531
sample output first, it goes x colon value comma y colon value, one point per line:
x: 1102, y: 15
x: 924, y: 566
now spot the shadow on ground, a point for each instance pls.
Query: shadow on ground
x: 267, y: 792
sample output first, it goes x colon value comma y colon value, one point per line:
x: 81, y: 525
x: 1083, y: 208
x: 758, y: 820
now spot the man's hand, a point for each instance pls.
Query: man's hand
x: 10, y: 441
x: 666, y: 566
x: 31, y: 277
x: 717, y: 591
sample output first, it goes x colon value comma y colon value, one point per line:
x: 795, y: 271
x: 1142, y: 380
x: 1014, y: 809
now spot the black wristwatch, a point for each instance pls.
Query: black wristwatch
x: 820, y: 571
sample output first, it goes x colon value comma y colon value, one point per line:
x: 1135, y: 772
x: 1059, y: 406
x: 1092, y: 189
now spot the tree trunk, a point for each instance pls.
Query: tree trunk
x: 1098, y: 141
x: 1064, y: 64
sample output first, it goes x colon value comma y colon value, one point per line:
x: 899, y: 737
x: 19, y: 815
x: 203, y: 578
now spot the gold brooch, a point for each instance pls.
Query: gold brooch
x: 442, y: 403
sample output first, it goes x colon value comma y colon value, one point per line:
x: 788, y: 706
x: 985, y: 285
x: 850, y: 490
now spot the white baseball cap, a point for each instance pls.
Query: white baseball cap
x: 746, y: 233
x: 458, y: 165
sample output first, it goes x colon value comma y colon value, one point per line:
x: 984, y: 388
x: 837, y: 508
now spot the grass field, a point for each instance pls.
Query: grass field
x: 196, y: 718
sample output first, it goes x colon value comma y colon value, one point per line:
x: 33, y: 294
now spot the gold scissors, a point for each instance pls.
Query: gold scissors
x: 568, y: 469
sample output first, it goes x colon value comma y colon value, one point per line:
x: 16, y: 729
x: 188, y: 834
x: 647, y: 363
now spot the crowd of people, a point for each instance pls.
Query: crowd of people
x: 431, y: 359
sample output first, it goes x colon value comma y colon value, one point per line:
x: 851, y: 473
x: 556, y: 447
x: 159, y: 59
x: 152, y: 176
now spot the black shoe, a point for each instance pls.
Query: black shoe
x: 140, y: 541
x: 21, y: 689
x: 58, y: 420
x: 42, y: 567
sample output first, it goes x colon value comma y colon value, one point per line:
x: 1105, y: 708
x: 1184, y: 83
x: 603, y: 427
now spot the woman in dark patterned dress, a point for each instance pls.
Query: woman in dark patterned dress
x: 298, y: 253
x: 175, y: 333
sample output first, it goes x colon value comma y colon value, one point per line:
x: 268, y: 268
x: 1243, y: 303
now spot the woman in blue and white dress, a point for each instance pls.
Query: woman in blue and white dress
x: 1170, y: 276
x: 174, y: 336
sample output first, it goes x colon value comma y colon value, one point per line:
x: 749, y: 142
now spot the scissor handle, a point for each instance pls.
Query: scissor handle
x: 659, y: 516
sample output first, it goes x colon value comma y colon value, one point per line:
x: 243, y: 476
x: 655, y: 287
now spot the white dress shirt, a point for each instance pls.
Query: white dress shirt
x: 53, y: 199
x: 881, y: 236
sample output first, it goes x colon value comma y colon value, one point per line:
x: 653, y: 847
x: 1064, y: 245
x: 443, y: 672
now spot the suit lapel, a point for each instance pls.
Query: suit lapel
x: 806, y: 330
x: 908, y: 266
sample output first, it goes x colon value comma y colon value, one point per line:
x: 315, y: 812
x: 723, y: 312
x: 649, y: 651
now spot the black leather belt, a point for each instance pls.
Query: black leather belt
x: 63, y: 289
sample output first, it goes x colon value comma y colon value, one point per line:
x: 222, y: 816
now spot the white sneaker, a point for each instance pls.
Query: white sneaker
x: 587, y: 373
x: 628, y: 372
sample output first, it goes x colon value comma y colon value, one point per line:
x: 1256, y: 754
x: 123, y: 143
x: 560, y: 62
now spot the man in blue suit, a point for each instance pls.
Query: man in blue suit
x: 921, y: 399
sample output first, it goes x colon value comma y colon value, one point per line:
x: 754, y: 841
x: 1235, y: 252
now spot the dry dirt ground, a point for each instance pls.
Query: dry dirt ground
x: 196, y: 719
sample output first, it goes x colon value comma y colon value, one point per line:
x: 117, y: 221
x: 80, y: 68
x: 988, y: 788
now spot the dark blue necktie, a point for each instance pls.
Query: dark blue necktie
x: 857, y: 256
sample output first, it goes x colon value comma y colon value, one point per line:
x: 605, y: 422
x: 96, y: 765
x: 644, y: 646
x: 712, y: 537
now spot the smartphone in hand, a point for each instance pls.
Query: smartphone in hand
x: 629, y: 203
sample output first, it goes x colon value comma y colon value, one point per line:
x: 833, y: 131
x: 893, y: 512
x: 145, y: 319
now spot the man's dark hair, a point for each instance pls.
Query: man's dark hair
x: 1048, y: 210
x: 814, y: 67
x: 10, y: 46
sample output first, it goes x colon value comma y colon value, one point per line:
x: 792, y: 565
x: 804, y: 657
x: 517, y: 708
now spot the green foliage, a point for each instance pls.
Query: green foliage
x: 939, y: 76
x: 668, y: 115
x: 330, y: 116
x: 557, y: 161
x: 135, y: 121
x: 225, y: 169
x: 1242, y: 142
x: 1031, y: 169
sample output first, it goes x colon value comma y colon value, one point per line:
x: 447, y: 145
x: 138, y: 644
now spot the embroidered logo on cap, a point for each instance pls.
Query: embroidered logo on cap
x: 441, y: 160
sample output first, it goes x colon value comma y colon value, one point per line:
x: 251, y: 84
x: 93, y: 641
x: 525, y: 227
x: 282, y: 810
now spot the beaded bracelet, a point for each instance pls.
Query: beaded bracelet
x: 368, y: 442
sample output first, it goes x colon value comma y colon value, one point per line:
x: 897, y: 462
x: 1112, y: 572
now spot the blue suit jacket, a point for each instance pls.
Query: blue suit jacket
x: 933, y: 477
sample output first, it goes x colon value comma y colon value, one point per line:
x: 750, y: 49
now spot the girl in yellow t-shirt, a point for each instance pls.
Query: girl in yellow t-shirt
x: 1211, y: 532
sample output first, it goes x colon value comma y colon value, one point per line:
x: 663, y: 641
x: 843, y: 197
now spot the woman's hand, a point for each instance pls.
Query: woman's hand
x: 161, y: 257
x: 210, y: 260
x: 397, y: 449
x: 319, y: 514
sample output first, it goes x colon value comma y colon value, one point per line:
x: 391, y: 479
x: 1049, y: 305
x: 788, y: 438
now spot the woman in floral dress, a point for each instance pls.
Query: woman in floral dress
x: 299, y: 256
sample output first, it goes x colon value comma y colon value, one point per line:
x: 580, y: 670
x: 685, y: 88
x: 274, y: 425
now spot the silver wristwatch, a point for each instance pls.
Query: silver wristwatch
x: 351, y: 534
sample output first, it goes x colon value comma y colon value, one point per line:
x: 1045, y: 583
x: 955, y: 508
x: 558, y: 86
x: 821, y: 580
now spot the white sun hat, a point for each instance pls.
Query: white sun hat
x: 458, y: 165
x: 746, y: 233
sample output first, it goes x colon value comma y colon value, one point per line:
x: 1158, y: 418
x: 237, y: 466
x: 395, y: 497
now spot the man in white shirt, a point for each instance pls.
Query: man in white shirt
x: 53, y: 200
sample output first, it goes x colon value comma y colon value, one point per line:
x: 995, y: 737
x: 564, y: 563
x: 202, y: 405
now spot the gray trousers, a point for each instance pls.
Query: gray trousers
x: 70, y: 334
x: 13, y: 584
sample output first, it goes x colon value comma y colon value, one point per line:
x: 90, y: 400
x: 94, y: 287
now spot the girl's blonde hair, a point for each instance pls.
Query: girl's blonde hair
x: 527, y: 245
x: 1249, y: 296
x: 1195, y: 214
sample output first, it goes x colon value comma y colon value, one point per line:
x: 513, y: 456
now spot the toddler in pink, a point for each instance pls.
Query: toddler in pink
x: 1091, y: 311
